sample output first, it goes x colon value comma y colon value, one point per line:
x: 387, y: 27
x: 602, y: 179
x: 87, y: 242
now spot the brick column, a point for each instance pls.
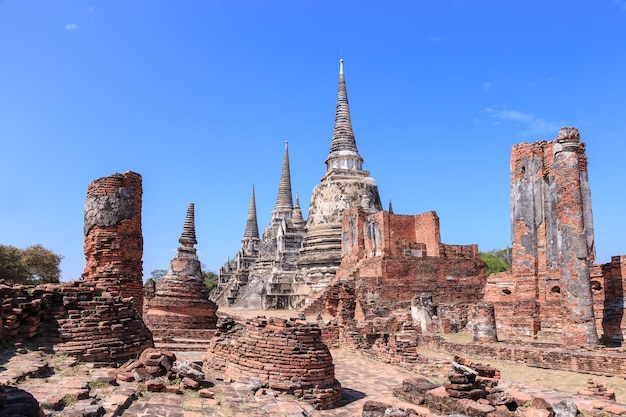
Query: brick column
x: 574, y: 255
x: 113, y: 238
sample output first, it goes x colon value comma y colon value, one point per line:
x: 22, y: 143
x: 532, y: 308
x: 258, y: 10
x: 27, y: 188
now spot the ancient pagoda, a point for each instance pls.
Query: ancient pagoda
x: 235, y: 273
x: 271, y: 279
x: 177, y: 305
x: 344, y: 185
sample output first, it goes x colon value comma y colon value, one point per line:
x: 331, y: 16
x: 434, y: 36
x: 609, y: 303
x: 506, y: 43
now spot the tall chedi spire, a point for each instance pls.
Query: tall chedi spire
x: 252, y: 226
x: 343, y: 152
x: 235, y: 273
x: 284, y: 201
x: 344, y: 185
x: 264, y: 268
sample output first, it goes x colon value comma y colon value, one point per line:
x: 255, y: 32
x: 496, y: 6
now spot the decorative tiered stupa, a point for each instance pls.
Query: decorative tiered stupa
x: 344, y: 185
x: 178, y: 304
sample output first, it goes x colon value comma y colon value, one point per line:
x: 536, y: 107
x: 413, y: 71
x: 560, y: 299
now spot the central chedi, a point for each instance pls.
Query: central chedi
x: 293, y: 259
x: 344, y: 185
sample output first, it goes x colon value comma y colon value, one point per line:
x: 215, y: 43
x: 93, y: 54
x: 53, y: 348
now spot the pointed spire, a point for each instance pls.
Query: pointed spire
x: 252, y: 227
x: 298, y: 220
x: 390, y: 206
x: 343, y: 147
x: 284, y: 201
x: 188, y: 237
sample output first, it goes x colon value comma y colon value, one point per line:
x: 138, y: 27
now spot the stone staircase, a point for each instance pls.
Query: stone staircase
x: 179, y: 344
x: 185, y: 340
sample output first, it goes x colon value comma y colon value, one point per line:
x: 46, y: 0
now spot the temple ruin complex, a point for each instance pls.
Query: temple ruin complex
x: 381, y: 284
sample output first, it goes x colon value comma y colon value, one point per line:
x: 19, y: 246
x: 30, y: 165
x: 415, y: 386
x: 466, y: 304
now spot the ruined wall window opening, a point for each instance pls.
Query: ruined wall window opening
x: 506, y: 291
x: 596, y: 286
x: 556, y: 290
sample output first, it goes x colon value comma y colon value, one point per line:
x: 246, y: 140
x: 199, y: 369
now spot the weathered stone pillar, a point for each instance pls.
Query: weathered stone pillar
x: 575, y: 251
x: 422, y: 312
x: 483, y: 320
x: 113, y: 239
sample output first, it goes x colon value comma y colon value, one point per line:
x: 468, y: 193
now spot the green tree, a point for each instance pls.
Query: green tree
x: 210, y: 279
x: 11, y: 269
x: 33, y: 265
x: 497, y: 260
x: 158, y: 274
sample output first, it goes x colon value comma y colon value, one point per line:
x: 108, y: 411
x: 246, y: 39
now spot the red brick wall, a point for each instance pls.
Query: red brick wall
x: 599, y: 362
x: 76, y: 319
x: 607, y: 285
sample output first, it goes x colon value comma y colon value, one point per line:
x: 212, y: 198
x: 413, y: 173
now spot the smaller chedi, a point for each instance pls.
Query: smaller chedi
x: 177, y: 305
x: 288, y: 356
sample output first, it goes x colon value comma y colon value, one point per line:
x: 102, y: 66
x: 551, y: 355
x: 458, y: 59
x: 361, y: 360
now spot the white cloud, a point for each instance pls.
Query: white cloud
x: 91, y: 10
x: 72, y: 27
x: 514, y: 115
x: 486, y: 86
x: 534, y: 125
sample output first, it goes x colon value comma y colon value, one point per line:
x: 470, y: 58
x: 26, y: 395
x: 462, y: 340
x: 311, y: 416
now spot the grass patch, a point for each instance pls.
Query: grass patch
x: 460, y: 337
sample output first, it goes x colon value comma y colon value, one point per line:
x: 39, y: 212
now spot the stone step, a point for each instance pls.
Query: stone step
x: 177, y: 344
x: 181, y: 347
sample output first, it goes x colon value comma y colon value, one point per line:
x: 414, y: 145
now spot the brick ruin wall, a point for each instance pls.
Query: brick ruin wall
x: 391, y: 262
x: 113, y: 239
x: 285, y: 355
x: 599, y: 362
x: 607, y: 286
x: 391, y: 258
x: 97, y: 318
x: 76, y: 319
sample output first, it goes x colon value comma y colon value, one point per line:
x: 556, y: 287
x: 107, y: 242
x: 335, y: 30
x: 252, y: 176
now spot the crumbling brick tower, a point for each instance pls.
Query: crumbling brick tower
x: 113, y: 238
x: 547, y: 294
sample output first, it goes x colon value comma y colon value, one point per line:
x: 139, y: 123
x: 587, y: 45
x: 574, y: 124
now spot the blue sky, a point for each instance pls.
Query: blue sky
x: 200, y: 96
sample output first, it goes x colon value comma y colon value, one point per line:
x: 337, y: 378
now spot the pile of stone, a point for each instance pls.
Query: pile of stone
x: 288, y: 356
x: 158, y: 371
x: 597, y: 390
x: 462, y: 383
x: 379, y: 409
x: 414, y: 390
